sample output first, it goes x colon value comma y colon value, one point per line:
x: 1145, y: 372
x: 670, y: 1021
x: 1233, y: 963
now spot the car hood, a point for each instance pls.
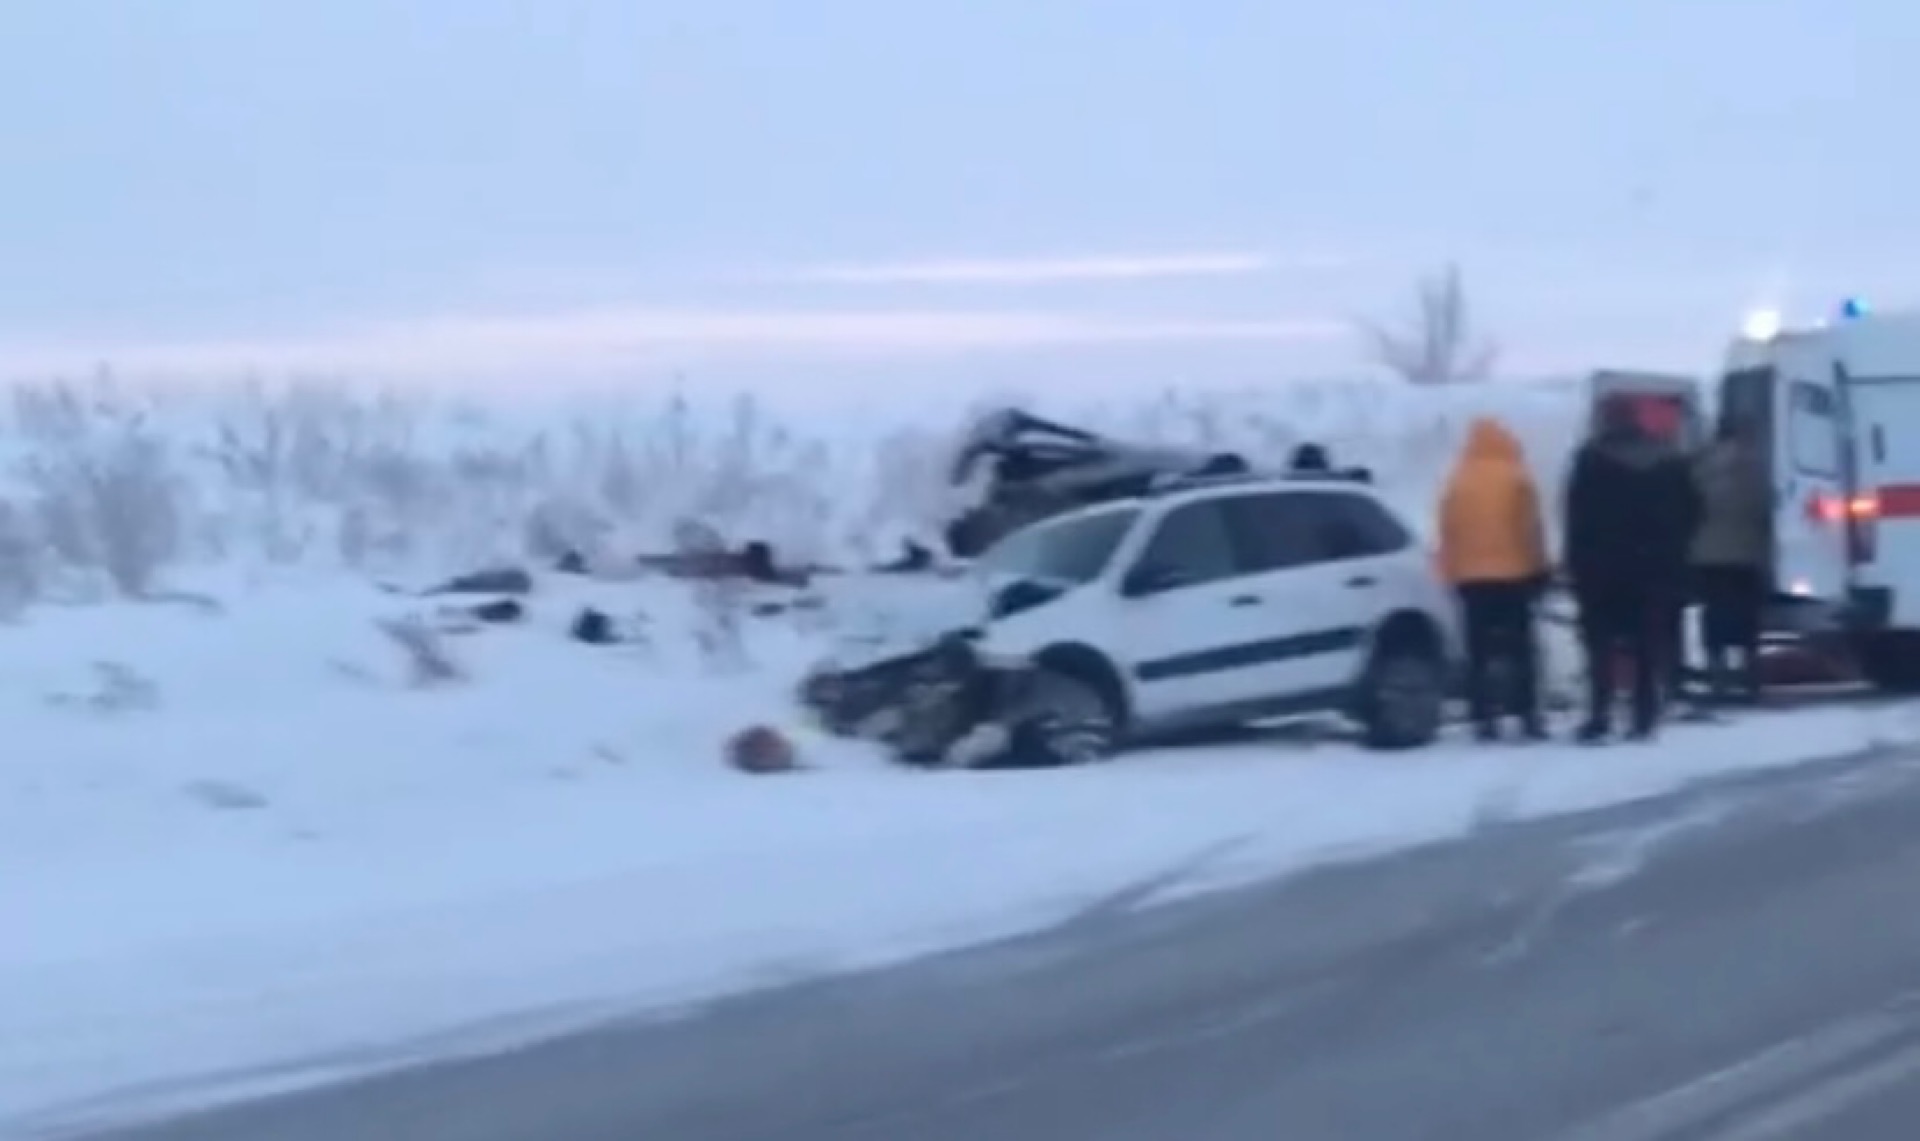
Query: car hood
x: 878, y: 620
x: 879, y: 617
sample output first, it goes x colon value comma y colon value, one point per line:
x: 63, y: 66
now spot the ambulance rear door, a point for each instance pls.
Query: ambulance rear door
x: 1809, y: 460
x: 1880, y: 383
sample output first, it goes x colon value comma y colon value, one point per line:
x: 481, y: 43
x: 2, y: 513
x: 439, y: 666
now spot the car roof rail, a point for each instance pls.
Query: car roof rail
x: 1173, y: 482
x: 1346, y: 475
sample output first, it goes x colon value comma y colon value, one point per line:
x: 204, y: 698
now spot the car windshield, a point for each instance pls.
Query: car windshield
x: 1073, y: 550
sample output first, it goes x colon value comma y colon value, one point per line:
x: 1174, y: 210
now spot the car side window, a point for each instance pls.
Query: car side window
x: 1193, y: 542
x: 1276, y: 530
x: 1357, y: 527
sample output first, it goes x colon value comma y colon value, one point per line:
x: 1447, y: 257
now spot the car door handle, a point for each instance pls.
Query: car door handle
x: 1244, y: 600
x: 1360, y: 580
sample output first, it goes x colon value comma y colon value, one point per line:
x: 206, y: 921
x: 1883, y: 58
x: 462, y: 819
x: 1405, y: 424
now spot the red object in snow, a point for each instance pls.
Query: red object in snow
x: 760, y: 749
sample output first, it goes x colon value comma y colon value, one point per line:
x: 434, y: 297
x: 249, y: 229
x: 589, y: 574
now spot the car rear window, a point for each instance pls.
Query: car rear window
x: 1357, y: 527
x: 1301, y: 527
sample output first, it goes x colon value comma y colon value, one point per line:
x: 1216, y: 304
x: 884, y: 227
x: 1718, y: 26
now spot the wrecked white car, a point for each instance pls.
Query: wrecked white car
x: 1205, y: 602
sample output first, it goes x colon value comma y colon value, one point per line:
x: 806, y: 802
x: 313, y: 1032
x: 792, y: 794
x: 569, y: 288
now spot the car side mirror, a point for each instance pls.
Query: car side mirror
x: 1152, y: 578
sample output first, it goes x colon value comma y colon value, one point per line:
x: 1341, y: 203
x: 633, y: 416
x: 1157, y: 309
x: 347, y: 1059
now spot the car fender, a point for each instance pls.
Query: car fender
x: 1423, y: 593
x: 1022, y: 635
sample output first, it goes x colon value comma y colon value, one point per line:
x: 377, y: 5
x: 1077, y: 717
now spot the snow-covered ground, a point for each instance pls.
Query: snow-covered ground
x: 238, y: 843
x: 242, y: 840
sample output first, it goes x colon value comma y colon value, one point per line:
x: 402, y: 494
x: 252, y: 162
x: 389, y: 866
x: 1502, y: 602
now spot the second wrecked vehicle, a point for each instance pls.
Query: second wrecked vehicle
x: 1027, y: 468
x: 1209, y: 602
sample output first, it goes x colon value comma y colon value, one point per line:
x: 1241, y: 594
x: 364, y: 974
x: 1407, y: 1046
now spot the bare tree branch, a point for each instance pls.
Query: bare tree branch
x: 1437, y: 343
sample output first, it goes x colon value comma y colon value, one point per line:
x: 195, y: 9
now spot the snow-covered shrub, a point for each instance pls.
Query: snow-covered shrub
x: 105, y: 483
x: 22, y: 560
x: 102, y: 475
x: 429, y: 663
x: 117, y: 689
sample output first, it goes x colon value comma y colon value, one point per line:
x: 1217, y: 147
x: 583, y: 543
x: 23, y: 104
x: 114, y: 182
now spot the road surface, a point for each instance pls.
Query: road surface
x: 1737, y: 963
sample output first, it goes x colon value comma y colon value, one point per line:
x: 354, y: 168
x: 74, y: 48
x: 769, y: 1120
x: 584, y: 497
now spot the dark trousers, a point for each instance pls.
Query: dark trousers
x: 1673, y: 643
x: 1732, y: 598
x: 1628, y: 624
x: 1498, y: 617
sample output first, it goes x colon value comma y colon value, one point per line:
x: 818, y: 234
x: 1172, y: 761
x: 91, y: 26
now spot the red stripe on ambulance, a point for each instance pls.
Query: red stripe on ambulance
x: 1898, y: 501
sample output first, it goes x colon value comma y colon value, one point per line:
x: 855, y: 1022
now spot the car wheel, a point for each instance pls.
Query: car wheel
x: 1403, y: 698
x: 1069, y: 717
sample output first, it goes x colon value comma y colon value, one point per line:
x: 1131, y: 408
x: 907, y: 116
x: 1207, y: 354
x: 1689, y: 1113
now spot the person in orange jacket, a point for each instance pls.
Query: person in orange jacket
x: 1493, y: 552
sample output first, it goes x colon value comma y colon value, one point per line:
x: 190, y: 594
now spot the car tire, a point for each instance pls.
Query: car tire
x: 1402, y: 699
x: 1071, y: 717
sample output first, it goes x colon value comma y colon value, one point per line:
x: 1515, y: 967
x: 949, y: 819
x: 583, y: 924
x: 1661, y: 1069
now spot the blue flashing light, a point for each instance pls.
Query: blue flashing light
x: 1852, y: 309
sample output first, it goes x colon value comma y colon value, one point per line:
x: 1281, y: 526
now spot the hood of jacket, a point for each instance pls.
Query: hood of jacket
x: 1489, y: 519
x: 1490, y: 442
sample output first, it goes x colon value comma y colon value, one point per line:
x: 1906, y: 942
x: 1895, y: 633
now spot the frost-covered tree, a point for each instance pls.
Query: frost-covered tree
x: 1436, y: 343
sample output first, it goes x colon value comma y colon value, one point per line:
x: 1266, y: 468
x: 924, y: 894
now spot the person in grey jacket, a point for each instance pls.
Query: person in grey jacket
x: 1730, y: 551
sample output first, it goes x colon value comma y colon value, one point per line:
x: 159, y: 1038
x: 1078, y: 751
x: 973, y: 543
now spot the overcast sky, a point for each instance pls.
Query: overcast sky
x: 918, y: 189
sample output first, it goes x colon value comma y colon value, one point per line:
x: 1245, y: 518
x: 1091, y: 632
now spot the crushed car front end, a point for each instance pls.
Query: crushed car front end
x: 966, y: 696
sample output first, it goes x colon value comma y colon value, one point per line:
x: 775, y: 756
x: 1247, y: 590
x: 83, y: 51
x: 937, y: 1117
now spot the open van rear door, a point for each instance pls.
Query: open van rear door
x: 1801, y: 409
x: 1811, y: 517
x: 1667, y: 406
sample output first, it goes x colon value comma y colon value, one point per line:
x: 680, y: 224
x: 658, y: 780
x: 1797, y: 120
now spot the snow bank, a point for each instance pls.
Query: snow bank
x: 241, y: 842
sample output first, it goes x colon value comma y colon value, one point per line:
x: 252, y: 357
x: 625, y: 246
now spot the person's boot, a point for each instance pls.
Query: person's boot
x: 1646, y: 724
x: 1600, y: 702
x: 1751, y: 690
x: 1527, y: 708
x: 1719, y: 678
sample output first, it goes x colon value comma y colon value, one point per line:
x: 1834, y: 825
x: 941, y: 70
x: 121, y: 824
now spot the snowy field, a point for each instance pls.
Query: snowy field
x: 242, y: 845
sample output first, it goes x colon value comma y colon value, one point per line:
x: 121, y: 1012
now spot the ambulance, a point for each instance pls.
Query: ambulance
x: 1838, y: 405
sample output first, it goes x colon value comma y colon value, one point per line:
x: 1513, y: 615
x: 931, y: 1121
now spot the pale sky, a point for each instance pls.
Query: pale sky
x: 914, y: 190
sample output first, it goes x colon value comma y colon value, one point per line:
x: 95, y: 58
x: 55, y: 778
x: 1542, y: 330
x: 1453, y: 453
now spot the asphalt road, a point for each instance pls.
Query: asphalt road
x: 1737, y: 963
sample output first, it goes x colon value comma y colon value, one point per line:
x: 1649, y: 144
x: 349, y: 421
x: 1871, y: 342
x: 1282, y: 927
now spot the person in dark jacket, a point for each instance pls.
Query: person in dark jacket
x: 1630, y: 514
x: 1729, y: 553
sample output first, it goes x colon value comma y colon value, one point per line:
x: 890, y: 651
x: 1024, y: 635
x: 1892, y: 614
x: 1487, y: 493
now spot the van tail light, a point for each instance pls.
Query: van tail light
x: 1859, y: 514
x: 1863, y: 528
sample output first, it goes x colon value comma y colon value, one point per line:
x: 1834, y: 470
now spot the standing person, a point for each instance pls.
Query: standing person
x: 1729, y: 556
x: 1629, y: 518
x: 1674, y: 585
x: 1493, y: 551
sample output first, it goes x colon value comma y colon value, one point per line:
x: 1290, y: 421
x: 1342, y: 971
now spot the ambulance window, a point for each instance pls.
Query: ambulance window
x: 1747, y: 394
x: 1815, y: 430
